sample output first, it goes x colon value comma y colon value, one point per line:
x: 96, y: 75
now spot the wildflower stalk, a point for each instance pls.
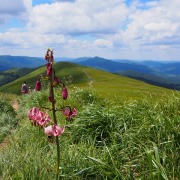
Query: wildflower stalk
x: 41, y: 119
x: 55, y: 122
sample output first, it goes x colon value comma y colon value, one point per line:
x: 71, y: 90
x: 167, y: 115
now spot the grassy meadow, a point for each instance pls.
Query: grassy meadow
x: 107, y: 85
x: 125, y: 129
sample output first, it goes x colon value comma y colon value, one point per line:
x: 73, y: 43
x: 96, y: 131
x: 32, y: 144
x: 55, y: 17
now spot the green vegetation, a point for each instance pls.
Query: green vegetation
x: 125, y: 129
x: 8, y: 118
x: 106, y: 84
x: 138, y: 139
x: 13, y: 74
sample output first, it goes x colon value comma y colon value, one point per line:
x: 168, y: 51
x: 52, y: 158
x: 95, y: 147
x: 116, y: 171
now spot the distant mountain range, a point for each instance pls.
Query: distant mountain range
x: 9, y: 62
x: 165, y: 74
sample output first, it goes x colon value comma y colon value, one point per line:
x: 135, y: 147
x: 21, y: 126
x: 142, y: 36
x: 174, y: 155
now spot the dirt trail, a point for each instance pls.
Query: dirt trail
x: 3, y: 144
x: 15, y: 105
x: 90, y: 79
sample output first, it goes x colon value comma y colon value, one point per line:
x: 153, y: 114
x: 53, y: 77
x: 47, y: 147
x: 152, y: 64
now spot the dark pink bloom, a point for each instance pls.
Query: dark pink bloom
x: 42, y: 119
x: 32, y: 113
x: 50, y: 99
x: 38, y: 85
x: 53, y: 130
x: 69, y: 113
x: 58, y: 131
x: 64, y: 93
x: 38, y: 116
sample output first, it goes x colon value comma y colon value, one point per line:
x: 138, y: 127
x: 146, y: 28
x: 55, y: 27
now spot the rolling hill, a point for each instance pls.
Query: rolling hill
x: 13, y: 74
x: 106, y: 84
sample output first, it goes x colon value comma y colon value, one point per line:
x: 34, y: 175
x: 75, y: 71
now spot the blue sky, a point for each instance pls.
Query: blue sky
x: 114, y: 29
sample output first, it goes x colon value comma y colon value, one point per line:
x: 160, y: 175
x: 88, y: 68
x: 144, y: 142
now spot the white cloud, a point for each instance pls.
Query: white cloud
x: 14, y: 9
x: 102, y: 43
x: 83, y: 16
x: 30, y: 40
x: 110, y: 29
x: 155, y: 24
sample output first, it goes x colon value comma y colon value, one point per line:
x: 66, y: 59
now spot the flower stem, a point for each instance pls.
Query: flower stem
x: 55, y: 122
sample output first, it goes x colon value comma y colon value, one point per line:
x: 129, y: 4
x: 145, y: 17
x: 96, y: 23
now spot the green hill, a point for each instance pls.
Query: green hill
x: 105, y: 84
x: 13, y: 74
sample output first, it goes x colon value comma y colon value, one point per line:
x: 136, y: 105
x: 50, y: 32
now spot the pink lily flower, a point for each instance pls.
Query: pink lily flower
x: 44, y: 120
x: 54, y: 130
x: 69, y: 113
x: 41, y: 118
x: 38, y: 117
x: 58, y: 131
x: 49, y: 130
x: 32, y: 113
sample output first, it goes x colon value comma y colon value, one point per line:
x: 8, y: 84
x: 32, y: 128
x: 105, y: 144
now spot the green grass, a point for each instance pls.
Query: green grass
x: 125, y: 129
x: 107, y: 85
x: 13, y: 74
x: 108, y: 140
x: 8, y: 119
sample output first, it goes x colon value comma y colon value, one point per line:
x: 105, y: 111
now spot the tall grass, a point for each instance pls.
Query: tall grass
x: 8, y: 118
x: 129, y: 140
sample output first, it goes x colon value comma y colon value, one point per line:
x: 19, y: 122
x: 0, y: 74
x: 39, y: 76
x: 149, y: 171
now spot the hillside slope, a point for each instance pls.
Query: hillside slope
x: 105, y: 84
x: 13, y: 74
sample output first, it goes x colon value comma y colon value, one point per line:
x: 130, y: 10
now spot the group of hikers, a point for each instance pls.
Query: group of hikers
x: 25, y: 89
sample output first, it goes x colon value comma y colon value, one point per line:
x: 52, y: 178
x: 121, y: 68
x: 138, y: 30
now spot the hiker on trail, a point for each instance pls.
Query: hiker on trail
x: 24, y: 88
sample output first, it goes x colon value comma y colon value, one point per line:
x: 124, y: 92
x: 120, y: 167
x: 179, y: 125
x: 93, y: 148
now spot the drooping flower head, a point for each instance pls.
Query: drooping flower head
x: 54, y: 130
x: 38, y: 117
x: 42, y: 118
x: 69, y: 113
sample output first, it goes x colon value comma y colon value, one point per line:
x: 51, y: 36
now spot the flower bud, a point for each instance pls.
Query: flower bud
x: 64, y: 93
x: 51, y: 99
x: 49, y: 70
x: 38, y: 85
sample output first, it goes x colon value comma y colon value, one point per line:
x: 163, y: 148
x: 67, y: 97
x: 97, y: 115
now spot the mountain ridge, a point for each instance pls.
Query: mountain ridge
x: 164, y: 74
x: 9, y: 62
